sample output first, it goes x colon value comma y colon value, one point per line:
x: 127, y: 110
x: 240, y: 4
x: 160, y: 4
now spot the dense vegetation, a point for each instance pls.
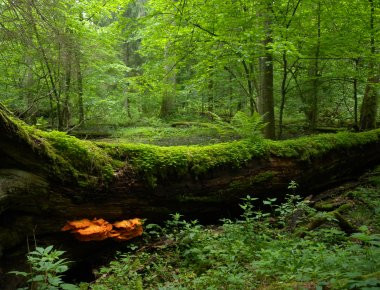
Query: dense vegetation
x: 331, y: 241
x: 261, y: 250
x: 107, y: 105
x: 82, y: 63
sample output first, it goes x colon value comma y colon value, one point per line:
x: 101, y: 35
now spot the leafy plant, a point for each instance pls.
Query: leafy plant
x: 248, y: 127
x: 253, y: 251
x: 242, y: 125
x: 47, y: 266
x: 295, y: 209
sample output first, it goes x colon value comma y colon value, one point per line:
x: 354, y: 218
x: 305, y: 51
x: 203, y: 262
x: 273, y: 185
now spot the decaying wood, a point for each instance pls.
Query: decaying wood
x: 33, y: 198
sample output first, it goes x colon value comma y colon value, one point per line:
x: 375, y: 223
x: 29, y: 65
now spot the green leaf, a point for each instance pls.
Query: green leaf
x: 69, y: 287
x: 18, y: 273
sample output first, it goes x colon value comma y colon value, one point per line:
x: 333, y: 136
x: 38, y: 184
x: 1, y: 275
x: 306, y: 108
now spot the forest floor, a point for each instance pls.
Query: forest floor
x: 198, y: 132
x: 327, y: 241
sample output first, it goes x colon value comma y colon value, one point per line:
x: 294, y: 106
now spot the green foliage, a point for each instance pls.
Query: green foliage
x: 163, y: 135
x: 119, y: 60
x: 242, y: 125
x: 249, y: 127
x: 47, y: 266
x: 251, y: 252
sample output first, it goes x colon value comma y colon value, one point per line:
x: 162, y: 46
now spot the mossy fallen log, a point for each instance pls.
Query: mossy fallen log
x: 47, y: 178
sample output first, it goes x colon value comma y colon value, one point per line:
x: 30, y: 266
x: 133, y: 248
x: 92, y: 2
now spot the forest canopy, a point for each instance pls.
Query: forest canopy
x: 68, y: 64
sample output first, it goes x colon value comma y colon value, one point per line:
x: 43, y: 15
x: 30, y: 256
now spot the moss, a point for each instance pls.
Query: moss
x: 90, y: 163
x: 160, y: 162
x: 64, y: 157
x: 156, y: 162
x: 306, y: 148
x: 85, y: 156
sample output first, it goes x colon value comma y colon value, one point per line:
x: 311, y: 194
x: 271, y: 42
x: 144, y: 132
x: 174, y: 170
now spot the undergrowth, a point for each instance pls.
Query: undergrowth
x: 260, y: 250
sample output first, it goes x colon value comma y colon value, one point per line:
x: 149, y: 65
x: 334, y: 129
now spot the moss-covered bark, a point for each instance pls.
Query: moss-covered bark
x: 47, y: 178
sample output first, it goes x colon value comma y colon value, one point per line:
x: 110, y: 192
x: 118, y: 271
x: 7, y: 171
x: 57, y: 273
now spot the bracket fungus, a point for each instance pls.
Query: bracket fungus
x: 86, y: 230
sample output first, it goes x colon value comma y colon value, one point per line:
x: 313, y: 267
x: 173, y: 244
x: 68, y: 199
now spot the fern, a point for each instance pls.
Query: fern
x: 242, y: 124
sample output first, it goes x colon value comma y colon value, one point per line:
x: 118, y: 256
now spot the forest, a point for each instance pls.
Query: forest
x: 189, y: 144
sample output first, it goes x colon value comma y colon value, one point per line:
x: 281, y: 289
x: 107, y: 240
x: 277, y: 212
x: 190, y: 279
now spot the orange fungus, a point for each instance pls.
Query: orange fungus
x: 99, y: 229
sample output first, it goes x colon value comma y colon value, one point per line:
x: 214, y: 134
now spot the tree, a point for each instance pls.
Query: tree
x: 369, y: 107
x: 265, y: 100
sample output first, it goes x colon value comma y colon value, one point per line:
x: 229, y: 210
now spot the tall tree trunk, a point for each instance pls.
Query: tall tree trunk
x: 248, y: 69
x: 79, y: 87
x: 368, y: 111
x: 285, y: 72
x: 67, y: 60
x: 79, y: 79
x: 230, y: 109
x: 128, y: 107
x: 46, y: 63
x: 168, y: 100
x: 315, y: 74
x: 210, y: 93
x: 27, y: 87
x: 283, y: 92
x: 265, y: 100
x: 355, y: 88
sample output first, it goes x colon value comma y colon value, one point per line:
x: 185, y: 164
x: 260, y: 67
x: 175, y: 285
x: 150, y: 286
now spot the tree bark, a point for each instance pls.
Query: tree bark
x: 79, y: 79
x: 369, y: 107
x: 283, y: 92
x: 168, y: 99
x: 265, y: 101
x: 355, y: 89
x: 315, y: 75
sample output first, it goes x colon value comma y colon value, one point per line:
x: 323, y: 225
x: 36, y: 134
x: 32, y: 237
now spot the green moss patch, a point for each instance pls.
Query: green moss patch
x: 85, y: 156
x: 154, y: 161
x: 91, y: 162
x: 306, y: 148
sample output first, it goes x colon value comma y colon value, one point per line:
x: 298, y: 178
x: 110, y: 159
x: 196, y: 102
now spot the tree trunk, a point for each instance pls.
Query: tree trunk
x: 355, y: 89
x: 368, y: 111
x: 47, y: 178
x: 265, y: 101
x: 79, y: 87
x: 250, y: 86
x: 315, y: 74
x: 79, y: 80
x: 67, y: 61
x: 283, y: 92
x: 211, y: 90
x: 168, y: 101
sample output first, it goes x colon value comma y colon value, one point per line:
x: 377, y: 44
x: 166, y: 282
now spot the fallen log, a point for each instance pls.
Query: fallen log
x: 48, y: 178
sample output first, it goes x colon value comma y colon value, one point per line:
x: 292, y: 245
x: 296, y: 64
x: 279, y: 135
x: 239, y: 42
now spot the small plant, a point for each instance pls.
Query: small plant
x: 242, y: 124
x: 247, y: 207
x: 248, y: 127
x: 47, y: 265
x: 295, y: 209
